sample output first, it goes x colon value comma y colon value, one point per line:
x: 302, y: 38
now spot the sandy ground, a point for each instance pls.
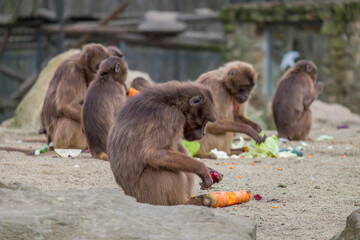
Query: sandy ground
x: 321, y: 191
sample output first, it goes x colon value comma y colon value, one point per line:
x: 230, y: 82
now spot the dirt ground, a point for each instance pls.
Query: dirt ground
x: 321, y: 189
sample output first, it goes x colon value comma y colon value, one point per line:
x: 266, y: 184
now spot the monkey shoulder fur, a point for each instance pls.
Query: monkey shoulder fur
x: 146, y: 153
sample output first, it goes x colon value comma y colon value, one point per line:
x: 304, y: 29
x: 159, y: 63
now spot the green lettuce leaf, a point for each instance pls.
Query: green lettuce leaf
x: 193, y: 147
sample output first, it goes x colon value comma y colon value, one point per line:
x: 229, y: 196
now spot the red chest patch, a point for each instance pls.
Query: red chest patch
x: 235, y: 106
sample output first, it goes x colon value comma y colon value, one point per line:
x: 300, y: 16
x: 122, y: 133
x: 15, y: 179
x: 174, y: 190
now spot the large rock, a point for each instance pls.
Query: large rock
x: 352, y: 228
x: 333, y: 113
x: 27, y: 113
x: 27, y: 213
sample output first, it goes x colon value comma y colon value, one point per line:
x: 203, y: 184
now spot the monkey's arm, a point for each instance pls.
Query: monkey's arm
x: 72, y: 111
x: 243, y: 119
x: 223, y: 126
x: 176, y: 161
x: 312, y: 95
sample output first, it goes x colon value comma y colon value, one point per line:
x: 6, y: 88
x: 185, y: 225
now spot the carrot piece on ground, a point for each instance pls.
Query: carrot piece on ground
x: 231, y: 167
x: 280, y: 169
x: 240, y: 176
x: 253, y: 163
x: 222, y: 199
x: 310, y: 156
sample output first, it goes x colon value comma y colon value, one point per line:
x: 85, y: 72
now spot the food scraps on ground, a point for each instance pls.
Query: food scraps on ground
x: 222, y: 199
x: 219, y: 154
x: 280, y: 169
x: 257, y: 197
x: 67, y: 152
x: 342, y: 126
x: 268, y: 148
x: 281, y: 185
x: 324, y: 138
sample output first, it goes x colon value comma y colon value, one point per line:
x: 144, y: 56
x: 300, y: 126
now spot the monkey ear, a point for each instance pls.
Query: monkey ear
x: 309, y: 68
x: 87, y: 54
x: 117, y: 68
x: 232, y: 72
x: 196, y: 100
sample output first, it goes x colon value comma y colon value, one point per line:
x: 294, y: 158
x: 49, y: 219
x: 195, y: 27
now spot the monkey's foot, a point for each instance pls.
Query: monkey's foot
x: 206, y: 155
x: 103, y: 156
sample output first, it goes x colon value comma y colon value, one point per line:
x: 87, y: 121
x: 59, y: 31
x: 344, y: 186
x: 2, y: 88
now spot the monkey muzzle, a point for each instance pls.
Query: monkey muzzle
x: 242, y: 97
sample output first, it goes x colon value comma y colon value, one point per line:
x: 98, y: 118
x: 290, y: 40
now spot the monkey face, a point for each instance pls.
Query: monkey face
x: 201, y: 111
x: 240, y: 82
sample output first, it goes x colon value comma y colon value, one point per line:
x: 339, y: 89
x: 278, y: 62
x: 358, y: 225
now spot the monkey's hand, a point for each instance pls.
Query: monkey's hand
x: 206, y: 181
x: 318, y: 86
x: 258, y: 139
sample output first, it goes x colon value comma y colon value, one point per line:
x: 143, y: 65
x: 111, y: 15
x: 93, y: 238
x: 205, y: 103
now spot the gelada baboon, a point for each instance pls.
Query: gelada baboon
x: 295, y: 92
x: 140, y: 83
x: 231, y: 86
x: 116, y: 52
x: 145, y: 148
x: 104, y: 99
x: 61, y: 113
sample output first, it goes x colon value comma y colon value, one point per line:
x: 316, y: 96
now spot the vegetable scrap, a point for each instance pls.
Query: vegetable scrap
x: 324, y: 138
x: 264, y: 166
x: 44, y: 148
x: 343, y: 156
x: 226, y: 164
x: 231, y: 167
x: 193, y: 147
x: 342, y: 126
x: 67, y: 152
x: 133, y: 92
x: 275, y: 206
x: 222, y: 199
x: 237, y: 144
x: 253, y: 163
x: 217, y: 163
x: 86, y: 150
x: 219, y: 154
x: 280, y: 169
x: 257, y: 197
x: 240, y: 176
x: 236, y: 208
x: 309, y: 156
x: 268, y: 148
x: 215, y: 175
x: 281, y: 185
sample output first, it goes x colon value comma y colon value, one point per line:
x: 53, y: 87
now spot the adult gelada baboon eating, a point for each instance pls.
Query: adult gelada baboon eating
x: 296, y: 90
x: 145, y: 148
x: 231, y: 86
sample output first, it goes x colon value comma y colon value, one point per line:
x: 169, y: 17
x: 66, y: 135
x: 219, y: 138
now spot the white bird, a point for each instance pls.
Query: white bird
x: 288, y: 59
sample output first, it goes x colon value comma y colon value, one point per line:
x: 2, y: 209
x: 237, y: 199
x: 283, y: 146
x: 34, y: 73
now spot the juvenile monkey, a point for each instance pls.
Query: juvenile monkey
x: 231, y: 85
x: 295, y: 92
x: 104, y: 99
x: 145, y: 148
x: 140, y: 83
x: 61, y: 113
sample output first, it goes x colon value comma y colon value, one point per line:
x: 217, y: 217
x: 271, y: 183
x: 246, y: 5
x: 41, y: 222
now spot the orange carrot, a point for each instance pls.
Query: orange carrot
x: 310, y: 156
x: 275, y: 206
x: 240, y: 176
x: 253, y: 163
x: 231, y: 167
x: 226, y: 164
x: 343, y: 156
x: 264, y: 166
x: 133, y: 92
x: 246, y: 149
x: 280, y: 169
x: 222, y: 199
x: 217, y: 163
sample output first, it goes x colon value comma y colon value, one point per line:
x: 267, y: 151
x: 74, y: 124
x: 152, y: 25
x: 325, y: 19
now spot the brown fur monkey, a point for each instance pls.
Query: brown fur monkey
x: 116, y: 52
x: 104, y: 99
x: 296, y: 90
x: 140, y: 83
x: 231, y: 86
x: 61, y: 113
x: 145, y: 148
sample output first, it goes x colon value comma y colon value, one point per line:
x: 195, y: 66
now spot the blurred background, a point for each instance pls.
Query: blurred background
x: 181, y: 39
